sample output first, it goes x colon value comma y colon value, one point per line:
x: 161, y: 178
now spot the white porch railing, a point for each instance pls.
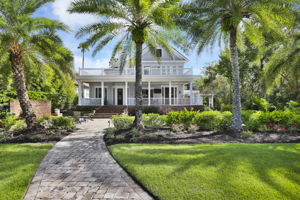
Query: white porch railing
x: 147, y: 71
x: 164, y: 101
x: 91, y: 102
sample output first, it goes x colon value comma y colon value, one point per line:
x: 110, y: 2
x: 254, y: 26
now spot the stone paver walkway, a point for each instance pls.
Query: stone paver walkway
x: 80, y: 167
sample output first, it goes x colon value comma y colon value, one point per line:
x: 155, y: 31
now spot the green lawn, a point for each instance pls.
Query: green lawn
x: 222, y: 171
x: 18, y: 163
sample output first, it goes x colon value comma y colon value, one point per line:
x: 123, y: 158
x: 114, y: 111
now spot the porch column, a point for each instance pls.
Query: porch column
x: 102, y: 93
x: 170, y: 92
x: 80, y: 93
x: 211, y: 101
x: 149, y: 93
x: 191, y: 93
x: 126, y: 93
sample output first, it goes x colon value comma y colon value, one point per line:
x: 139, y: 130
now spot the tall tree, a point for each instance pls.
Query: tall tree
x: 137, y: 22
x: 208, y: 21
x: 30, y: 41
x: 285, y: 60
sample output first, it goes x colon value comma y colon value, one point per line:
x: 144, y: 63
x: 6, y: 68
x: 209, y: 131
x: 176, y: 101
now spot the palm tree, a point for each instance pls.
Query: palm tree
x: 29, y: 41
x: 208, y: 21
x: 83, y: 47
x: 285, y: 61
x: 136, y: 22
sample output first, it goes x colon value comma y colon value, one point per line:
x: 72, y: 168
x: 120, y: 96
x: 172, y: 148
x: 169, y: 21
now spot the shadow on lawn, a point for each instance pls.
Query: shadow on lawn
x: 226, y: 158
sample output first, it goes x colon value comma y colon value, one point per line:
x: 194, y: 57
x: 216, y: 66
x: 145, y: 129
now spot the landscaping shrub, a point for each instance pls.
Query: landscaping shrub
x: 122, y: 121
x: 181, y: 117
x: 209, y: 120
x: 48, y: 122
x: 226, y: 121
x: 18, y: 126
x: 154, y: 120
x: 63, y: 122
x: 293, y: 106
x: 277, y: 120
x: 226, y: 107
x: 257, y: 104
x: 9, y: 121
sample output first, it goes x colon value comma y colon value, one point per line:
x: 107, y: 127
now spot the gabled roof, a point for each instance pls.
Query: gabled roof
x: 176, y: 53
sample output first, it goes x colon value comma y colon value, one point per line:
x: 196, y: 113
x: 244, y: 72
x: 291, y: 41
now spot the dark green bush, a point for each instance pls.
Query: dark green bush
x: 257, y: 104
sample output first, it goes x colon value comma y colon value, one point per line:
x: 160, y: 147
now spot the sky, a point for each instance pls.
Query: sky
x: 58, y: 11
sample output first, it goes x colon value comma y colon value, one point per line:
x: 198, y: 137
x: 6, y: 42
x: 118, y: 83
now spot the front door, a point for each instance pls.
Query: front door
x: 166, y: 96
x: 119, y: 96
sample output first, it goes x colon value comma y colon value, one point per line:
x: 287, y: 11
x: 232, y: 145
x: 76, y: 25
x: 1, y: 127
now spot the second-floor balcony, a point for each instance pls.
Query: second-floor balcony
x: 147, y: 71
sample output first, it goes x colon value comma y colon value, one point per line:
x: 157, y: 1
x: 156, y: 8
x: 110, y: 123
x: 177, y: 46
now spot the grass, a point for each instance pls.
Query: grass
x: 18, y: 163
x: 221, y: 171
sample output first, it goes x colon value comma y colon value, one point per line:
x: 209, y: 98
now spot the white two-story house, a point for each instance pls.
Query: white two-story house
x: 167, y: 82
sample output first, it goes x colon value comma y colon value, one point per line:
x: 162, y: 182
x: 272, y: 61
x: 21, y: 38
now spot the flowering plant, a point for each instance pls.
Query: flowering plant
x: 193, y: 128
x: 276, y: 127
x: 178, y: 127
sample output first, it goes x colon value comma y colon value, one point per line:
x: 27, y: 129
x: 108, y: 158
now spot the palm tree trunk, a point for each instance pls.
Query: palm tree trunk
x: 138, y: 86
x: 237, y: 119
x: 16, y: 60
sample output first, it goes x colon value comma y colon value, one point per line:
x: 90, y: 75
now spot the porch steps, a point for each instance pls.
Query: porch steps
x: 108, y: 111
x: 103, y: 115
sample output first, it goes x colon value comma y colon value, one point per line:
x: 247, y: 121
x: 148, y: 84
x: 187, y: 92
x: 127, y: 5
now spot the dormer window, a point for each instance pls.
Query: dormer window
x: 159, y: 53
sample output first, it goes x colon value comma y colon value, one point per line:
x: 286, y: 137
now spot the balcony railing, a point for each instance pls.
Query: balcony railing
x: 147, y: 71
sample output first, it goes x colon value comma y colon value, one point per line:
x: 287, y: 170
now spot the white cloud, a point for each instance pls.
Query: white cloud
x: 91, y: 63
x: 60, y: 10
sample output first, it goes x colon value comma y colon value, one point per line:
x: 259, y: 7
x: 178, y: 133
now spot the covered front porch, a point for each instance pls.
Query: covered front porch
x: 123, y: 93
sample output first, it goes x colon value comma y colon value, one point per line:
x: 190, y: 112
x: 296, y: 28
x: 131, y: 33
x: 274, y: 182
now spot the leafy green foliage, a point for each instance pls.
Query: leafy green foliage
x: 142, y: 21
x: 9, y: 121
x: 122, y: 121
x: 293, y: 106
x: 47, y: 64
x: 213, y: 120
x: 270, y: 121
x: 257, y: 104
x: 57, y: 122
x: 154, y: 120
x: 181, y: 117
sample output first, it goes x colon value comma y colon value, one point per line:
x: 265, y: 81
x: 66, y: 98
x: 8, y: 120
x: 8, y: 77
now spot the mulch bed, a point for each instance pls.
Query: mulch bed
x: 165, y: 136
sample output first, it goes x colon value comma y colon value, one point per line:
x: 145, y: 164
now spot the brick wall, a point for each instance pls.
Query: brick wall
x: 41, y: 108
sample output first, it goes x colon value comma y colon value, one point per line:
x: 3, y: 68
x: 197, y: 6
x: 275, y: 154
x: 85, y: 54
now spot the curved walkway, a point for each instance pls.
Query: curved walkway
x: 80, y: 167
